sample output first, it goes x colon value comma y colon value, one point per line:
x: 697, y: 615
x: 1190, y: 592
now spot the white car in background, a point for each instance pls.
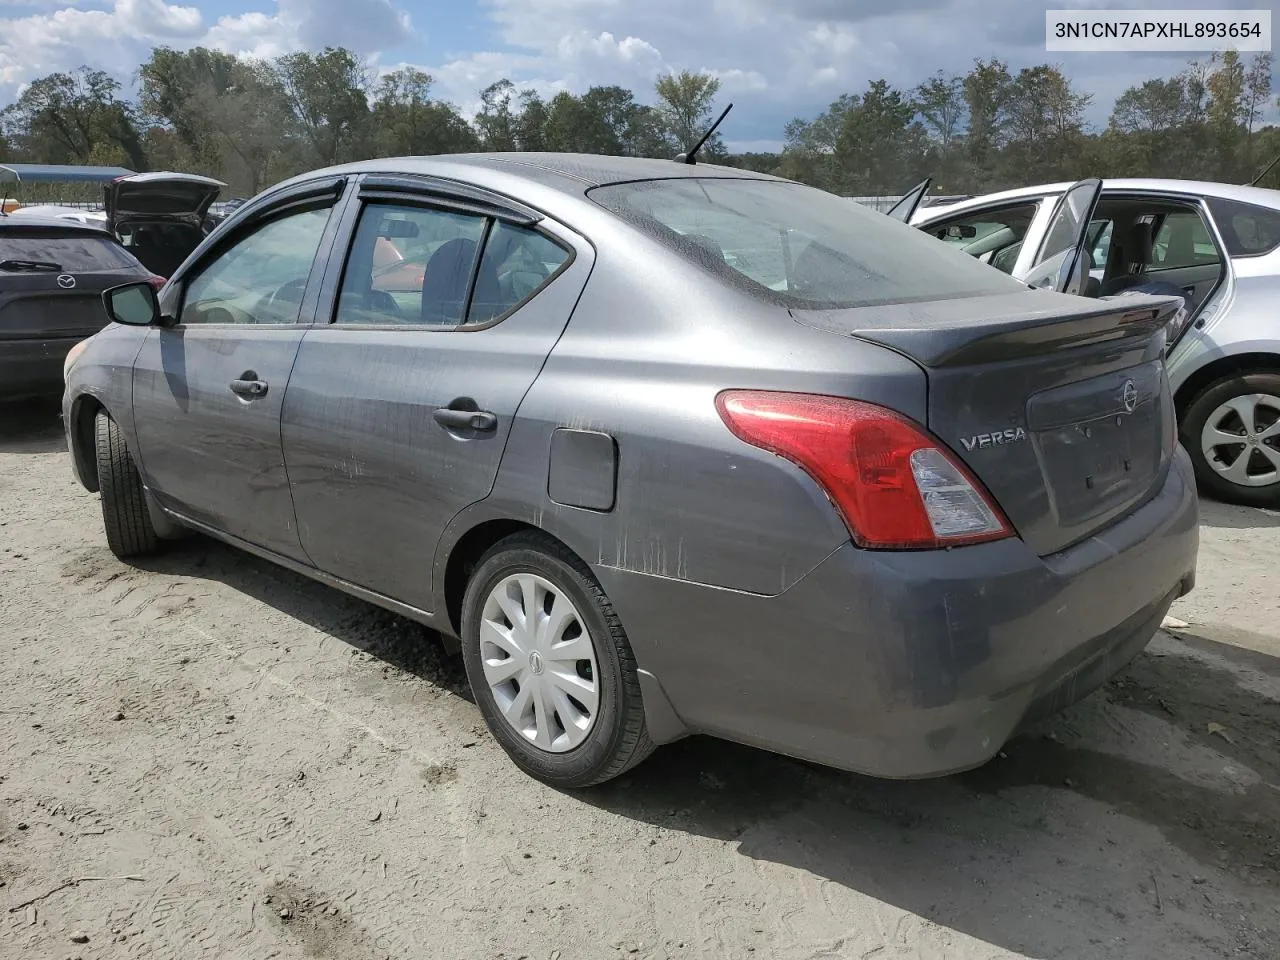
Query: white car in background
x: 1217, y: 243
x: 53, y: 211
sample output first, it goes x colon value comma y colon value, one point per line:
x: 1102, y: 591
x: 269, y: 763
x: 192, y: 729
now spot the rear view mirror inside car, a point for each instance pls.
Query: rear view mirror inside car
x: 133, y: 304
x: 961, y: 231
x: 393, y: 229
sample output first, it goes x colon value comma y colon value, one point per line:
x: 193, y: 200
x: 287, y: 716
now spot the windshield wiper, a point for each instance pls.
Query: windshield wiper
x: 44, y: 266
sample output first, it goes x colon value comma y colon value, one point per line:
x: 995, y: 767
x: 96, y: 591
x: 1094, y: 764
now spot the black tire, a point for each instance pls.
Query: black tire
x: 1197, y: 415
x: 618, y: 740
x: 124, y: 504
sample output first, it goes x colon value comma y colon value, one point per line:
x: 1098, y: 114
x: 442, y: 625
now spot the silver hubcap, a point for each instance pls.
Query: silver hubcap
x: 539, y: 662
x: 1241, y: 440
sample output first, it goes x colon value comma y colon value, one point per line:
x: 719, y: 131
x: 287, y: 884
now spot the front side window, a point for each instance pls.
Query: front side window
x: 798, y: 246
x: 992, y: 236
x: 441, y: 269
x: 261, y: 277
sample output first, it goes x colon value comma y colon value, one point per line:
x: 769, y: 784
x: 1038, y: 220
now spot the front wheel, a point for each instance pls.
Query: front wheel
x: 550, y: 665
x: 125, y: 517
x: 1232, y: 431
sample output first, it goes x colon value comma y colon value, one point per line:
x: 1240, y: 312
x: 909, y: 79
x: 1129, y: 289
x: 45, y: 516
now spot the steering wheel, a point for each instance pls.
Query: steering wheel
x: 291, y: 292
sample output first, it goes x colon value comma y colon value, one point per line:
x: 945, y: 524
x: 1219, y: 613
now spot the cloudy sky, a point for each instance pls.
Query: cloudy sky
x: 777, y: 59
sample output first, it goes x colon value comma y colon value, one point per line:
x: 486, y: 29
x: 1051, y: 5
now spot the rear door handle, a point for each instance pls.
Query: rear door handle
x: 481, y: 420
x: 249, y: 389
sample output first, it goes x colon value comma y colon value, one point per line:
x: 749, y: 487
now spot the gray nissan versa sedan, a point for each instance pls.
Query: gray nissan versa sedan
x: 670, y: 448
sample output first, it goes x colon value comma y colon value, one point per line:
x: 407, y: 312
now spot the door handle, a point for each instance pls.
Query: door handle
x: 454, y: 419
x: 249, y: 389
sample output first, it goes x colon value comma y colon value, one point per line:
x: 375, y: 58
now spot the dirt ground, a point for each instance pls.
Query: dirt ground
x: 210, y: 757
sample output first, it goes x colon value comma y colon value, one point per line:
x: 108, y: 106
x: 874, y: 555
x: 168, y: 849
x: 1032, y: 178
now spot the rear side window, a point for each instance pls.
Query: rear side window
x: 1247, y: 230
x: 1183, y: 240
x: 441, y: 269
x: 798, y: 246
x: 73, y: 254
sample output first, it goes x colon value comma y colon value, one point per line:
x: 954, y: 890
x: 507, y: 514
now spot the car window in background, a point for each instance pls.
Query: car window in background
x: 73, y: 254
x: 261, y: 277
x: 417, y: 265
x: 796, y: 245
x: 1183, y: 240
x: 1099, y: 245
x: 992, y: 236
x: 1247, y: 230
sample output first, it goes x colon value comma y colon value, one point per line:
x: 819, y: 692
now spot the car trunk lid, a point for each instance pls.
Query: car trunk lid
x: 1059, y: 405
x: 160, y: 196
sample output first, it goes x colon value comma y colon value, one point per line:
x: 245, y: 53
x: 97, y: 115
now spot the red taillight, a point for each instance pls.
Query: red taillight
x: 894, y: 485
x: 157, y: 281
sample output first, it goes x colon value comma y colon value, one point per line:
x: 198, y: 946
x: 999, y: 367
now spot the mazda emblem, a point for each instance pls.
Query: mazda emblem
x: 1129, y: 396
x: 66, y: 281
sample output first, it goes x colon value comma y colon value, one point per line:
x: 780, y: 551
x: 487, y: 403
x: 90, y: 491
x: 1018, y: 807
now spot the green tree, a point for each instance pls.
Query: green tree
x: 327, y: 94
x: 685, y: 102
x: 1226, y: 112
x: 496, y: 120
x: 809, y: 153
x: 880, y: 146
x: 1044, y: 126
x: 939, y: 101
x: 1257, y: 94
x: 988, y: 88
x: 176, y: 89
x: 531, y: 122
x: 76, y: 117
x: 409, y: 122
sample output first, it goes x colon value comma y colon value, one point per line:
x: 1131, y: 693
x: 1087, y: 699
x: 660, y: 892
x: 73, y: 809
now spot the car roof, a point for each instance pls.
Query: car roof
x: 1260, y: 196
x: 569, y: 172
x: 12, y: 223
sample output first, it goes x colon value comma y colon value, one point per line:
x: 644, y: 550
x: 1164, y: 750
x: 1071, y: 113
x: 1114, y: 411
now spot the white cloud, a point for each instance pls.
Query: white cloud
x: 121, y: 35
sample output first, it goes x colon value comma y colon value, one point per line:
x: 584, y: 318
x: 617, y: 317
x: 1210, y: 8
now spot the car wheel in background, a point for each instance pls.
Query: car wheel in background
x: 124, y: 504
x: 550, y: 665
x: 1232, y: 431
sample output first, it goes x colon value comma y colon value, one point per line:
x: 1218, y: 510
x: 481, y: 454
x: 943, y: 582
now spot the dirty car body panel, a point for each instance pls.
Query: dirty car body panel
x: 753, y: 613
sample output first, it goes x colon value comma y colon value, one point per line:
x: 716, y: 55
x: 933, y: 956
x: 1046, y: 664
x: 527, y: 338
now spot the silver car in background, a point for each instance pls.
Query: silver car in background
x: 1218, y: 243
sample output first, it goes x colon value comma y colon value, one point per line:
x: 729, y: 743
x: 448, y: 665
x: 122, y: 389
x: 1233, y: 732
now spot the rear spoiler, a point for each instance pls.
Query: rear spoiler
x: 958, y: 338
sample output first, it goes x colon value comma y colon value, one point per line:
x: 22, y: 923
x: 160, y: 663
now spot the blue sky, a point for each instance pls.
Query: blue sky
x: 777, y: 59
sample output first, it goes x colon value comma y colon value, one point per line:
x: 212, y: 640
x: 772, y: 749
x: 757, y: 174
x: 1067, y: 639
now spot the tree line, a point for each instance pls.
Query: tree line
x: 255, y: 122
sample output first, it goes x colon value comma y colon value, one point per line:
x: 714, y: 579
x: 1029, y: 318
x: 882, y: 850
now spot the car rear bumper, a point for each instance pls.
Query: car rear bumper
x: 913, y: 664
x: 33, y: 367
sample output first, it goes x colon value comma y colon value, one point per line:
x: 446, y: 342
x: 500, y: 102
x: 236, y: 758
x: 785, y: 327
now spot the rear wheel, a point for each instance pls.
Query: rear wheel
x: 1232, y: 431
x: 124, y: 503
x: 550, y: 665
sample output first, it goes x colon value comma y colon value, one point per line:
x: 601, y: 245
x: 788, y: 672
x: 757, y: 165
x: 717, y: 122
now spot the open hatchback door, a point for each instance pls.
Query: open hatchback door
x: 159, y: 197
x: 160, y: 217
x: 1060, y: 263
x: 905, y: 208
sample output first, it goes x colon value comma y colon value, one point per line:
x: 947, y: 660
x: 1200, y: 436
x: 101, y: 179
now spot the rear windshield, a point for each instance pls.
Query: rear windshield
x: 798, y: 246
x: 73, y: 254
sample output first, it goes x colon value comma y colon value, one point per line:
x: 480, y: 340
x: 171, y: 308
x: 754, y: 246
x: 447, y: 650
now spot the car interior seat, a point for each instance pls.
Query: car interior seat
x: 1092, y: 285
x: 1132, y: 256
x: 448, y: 276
